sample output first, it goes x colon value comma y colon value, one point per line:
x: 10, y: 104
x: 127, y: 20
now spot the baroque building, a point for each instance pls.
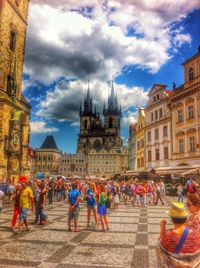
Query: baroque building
x: 185, y: 107
x: 47, y: 157
x: 73, y: 165
x: 95, y: 134
x: 14, y: 108
x: 158, y: 128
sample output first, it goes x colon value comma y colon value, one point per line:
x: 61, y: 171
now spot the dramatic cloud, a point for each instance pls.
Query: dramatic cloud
x: 39, y: 127
x: 63, y: 103
x: 93, y: 39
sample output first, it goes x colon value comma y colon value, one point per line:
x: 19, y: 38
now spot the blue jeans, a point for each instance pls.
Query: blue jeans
x: 58, y: 195
x: 180, y: 198
x: 39, y: 214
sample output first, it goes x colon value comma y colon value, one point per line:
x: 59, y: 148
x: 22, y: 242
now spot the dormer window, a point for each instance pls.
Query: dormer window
x: 191, y: 74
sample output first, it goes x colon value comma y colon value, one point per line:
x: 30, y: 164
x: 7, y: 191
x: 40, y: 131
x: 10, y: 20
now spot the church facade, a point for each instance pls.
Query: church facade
x: 14, y: 108
x: 96, y: 133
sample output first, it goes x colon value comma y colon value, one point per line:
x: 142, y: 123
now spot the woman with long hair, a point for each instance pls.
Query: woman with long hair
x: 102, y: 211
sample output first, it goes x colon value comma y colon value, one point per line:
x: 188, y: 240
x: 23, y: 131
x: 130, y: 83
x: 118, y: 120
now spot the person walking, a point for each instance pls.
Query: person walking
x: 102, y: 211
x: 180, y: 193
x: 26, y: 197
x: 40, y: 200
x: 91, y: 196
x: 74, y: 197
x: 16, y: 212
x: 1, y: 200
x: 159, y: 194
x: 11, y: 191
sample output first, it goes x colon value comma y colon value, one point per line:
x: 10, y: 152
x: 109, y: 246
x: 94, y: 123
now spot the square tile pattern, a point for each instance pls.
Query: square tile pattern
x: 130, y: 242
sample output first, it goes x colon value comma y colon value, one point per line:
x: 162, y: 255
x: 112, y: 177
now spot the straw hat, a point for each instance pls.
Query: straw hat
x: 177, y: 210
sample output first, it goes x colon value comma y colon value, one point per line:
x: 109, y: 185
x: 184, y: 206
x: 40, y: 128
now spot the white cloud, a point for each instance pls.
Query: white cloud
x: 39, y: 127
x: 129, y: 118
x: 70, y: 44
x: 63, y: 103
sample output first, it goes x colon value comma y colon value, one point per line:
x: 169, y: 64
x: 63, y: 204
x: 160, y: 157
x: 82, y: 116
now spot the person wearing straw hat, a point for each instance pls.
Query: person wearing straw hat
x: 178, y: 241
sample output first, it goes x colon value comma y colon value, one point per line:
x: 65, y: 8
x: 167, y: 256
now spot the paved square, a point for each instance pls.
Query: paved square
x: 130, y: 242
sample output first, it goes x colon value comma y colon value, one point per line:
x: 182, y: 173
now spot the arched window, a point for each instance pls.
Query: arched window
x: 85, y: 124
x: 191, y: 74
x: 110, y: 122
x: 13, y: 36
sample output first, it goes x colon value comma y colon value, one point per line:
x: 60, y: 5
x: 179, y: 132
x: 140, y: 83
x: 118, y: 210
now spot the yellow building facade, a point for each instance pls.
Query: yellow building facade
x: 107, y: 163
x: 185, y: 106
x: 140, y: 140
x: 14, y: 108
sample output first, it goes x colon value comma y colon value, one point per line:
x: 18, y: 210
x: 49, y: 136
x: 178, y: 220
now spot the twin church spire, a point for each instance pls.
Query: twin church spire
x: 112, y: 104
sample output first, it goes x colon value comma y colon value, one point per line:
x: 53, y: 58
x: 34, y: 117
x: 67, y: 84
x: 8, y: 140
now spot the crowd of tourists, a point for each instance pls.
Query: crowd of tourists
x: 178, y: 246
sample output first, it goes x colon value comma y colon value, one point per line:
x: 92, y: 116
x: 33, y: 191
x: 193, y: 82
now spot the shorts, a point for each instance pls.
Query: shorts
x: 73, y: 214
x: 102, y: 210
x: 23, y: 214
x: 91, y: 206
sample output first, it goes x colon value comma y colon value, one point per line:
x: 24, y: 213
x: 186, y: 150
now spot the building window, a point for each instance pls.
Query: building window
x: 180, y: 115
x: 142, y: 143
x: 156, y: 134
x: 149, y: 136
x: 151, y: 116
x: 191, y: 144
x: 85, y: 124
x: 165, y: 134
x: 110, y: 122
x: 156, y: 115
x: 190, y: 112
x: 160, y: 112
x: 138, y: 145
x: 149, y: 156
x: 13, y: 40
x: 191, y: 74
x: 158, y: 97
x: 166, y: 153
x: 154, y: 98
x: 157, y: 154
x: 142, y: 161
x: 138, y: 163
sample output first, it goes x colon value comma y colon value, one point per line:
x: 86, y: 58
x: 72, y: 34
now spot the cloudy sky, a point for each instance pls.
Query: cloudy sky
x: 138, y: 42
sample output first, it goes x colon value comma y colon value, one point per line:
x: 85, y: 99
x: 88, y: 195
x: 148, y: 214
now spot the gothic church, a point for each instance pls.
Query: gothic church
x: 95, y: 133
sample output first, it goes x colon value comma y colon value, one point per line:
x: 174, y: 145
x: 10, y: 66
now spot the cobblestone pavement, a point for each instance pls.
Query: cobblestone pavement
x: 130, y: 242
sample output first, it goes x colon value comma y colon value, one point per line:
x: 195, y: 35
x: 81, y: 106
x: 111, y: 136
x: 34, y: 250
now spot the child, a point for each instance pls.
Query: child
x: 16, y: 207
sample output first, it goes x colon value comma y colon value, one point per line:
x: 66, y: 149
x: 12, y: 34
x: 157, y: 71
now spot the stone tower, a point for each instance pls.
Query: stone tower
x: 14, y: 108
x: 95, y: 134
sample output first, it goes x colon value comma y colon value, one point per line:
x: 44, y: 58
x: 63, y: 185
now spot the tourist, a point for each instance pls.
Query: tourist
x: 193, y: 204
x: 1, y: 200
x: 74, y: 197
x: 180, y: 193
x: 40, y: 200
x: 26, y: 197
x: 50, y: 192
x: 159, y: 194
x: 10, y: 191
x: 91, y: 196
x: 102, y: 211
x: 16, y: 212
x: 115, y: 196
x: 178, y: 241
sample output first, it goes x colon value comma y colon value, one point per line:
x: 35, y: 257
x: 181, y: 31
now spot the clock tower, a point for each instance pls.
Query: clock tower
x: 14, y: 108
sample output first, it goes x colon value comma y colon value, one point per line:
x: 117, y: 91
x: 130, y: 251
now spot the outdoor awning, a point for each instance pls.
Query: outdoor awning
x: 192, y: 171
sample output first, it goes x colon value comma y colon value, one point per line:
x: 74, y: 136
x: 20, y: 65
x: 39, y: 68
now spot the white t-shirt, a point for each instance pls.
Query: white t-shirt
x: 11, y: 189
x: 1, y: 198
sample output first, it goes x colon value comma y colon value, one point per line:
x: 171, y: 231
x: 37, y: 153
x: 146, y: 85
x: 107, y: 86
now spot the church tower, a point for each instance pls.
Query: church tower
x: 14, y: 108
x: 112, y: 114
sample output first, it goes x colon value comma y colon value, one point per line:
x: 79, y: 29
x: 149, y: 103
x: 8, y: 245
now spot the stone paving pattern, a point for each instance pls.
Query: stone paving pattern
x: 130, y: 242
